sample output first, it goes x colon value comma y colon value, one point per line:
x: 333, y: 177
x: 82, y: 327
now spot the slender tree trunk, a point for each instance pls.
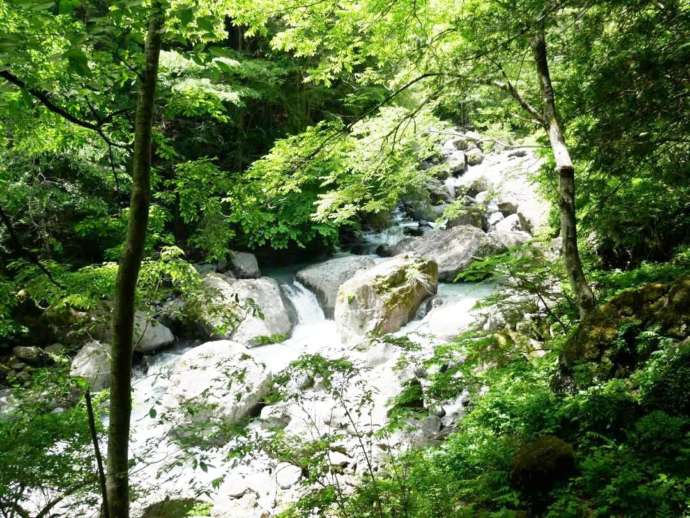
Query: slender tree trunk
x: 127, y: 275
x: 566, y: 181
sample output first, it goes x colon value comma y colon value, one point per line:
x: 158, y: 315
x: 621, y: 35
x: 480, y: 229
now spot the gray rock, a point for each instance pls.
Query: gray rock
x: 244, y: 265
x: 509, y: 232
x: 438, y: 192
x: 510, y: 224
x: 204, y: 268
x: 220, y: 380
x: 325, y: 278
x: 235, y: 486
x: 423, y: 210
x: 494, y: 218
x: 149, y: 334
x: 510, y: 239
x: 474, y: 156
x: 385, y: 297
x: 453, y: 250
x: 263, y: 312
x: 92, y: 363
x: 338, y: 459
x: 32, y: 355
x: 469, y: 214
x: 287, y: 475
x: 507, y: 208
x: 457, y: 163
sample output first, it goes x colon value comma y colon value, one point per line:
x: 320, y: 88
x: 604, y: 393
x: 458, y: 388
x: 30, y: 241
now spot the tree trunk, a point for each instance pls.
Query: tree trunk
x: 566, y: 181
x: 127, y: 275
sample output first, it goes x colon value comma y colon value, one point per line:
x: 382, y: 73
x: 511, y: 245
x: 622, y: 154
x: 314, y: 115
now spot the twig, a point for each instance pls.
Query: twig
x: 97, y: 452
x: 23, y: 251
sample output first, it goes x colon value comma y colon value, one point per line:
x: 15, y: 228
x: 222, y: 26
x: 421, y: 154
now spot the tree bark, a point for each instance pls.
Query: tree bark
x: 584, y: 297
x: 127, y: 276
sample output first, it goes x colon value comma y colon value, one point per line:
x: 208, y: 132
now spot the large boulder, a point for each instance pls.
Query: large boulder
x: 541, y: 464
x: 325, y: 278
x: 385, y: 297
x: 259, y: 305
x: 149, y: 334
x: 244, y: 265
x: 453, y: 250
x: 92, y: 363
x: 215, y: 382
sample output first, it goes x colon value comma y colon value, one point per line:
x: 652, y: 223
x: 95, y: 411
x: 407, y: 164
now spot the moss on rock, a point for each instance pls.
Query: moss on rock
x: 606, y: 344
x: 541, y: 464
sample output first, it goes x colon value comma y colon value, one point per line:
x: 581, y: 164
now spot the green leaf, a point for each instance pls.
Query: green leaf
x: 78, y: 62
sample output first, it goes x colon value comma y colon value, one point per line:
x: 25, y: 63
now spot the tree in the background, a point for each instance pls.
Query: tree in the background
x: 438, y: 48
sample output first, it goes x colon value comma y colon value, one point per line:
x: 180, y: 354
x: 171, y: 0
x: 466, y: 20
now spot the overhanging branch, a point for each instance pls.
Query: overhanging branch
x: 44, y: 98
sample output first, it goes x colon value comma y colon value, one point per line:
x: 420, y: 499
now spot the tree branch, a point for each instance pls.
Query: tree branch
x: 23, y: 251
x: 510, y: 88
x: 44, y: 98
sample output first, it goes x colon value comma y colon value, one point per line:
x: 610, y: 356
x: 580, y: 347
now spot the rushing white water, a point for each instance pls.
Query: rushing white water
x: 305, y: 303
x: 312, y: 333
x: 401, y: 224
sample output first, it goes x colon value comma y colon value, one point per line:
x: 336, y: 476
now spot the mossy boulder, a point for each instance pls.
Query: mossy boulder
x: 539, y: 465
x: 607, y: 342
x: 385, y: 297
x: 177, y: 508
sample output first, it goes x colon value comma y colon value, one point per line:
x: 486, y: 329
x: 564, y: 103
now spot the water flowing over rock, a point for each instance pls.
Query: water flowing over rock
x: 325, y: 278
x: 264, y: 315
x: 217, y: 379
x: 453, y: 250
x: 385, y: 297
x: 92, y: 363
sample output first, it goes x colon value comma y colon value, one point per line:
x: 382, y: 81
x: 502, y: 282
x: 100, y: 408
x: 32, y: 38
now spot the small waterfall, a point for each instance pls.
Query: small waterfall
x: 305, y: 303
x: 392, y: 235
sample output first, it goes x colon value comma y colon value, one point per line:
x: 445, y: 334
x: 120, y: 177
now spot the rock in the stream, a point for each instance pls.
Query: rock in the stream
x: 385, y: 297
x: 92, y: 363
x: 287, y: 475
x: 325, y: 278
x: 453, y: 250
x: 509, y: 232
x: 475, y: 156
x: 234, y: 486
x: 244, y: 265
x: 264, y: 315
x: 149, y: 334
x: 438, y: 192
x: 218, y: 380
x: 468, y: 213
x: 457, y: 163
